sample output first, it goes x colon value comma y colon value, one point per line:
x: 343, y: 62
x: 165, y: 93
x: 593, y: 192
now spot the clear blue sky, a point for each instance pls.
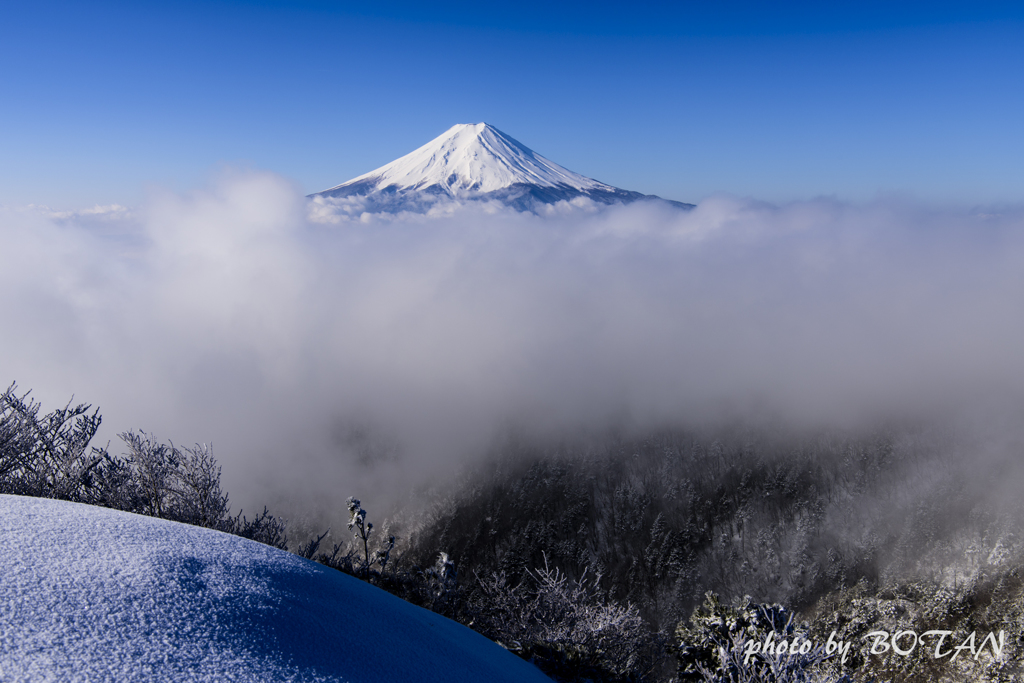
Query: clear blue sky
x: 100, y: 100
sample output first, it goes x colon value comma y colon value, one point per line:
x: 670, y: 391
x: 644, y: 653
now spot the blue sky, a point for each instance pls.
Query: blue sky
x: 100, y: 101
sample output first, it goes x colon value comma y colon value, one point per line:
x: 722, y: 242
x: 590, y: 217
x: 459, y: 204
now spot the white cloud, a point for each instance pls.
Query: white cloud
x: 286, y: 332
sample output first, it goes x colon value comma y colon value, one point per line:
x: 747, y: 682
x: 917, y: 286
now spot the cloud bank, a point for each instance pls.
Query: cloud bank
x: 327, y: 353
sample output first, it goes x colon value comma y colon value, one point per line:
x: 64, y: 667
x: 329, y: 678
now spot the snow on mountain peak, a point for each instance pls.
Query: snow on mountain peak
x: 471, y: 161
x: 472, y: 158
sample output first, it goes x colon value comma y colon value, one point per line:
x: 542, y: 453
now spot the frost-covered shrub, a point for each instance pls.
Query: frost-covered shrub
x: 737, y: 644
x: 568, y: 628
x: 987, y: 604
x: 182, y: 484
x: 440, y: 588
x: 264, y: 528
x: 47, y: 455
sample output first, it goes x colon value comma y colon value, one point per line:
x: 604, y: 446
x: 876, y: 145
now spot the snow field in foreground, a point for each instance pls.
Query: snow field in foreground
x: 90, y: 594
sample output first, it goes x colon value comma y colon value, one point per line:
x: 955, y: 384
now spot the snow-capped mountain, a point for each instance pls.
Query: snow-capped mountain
x: 476, y: 161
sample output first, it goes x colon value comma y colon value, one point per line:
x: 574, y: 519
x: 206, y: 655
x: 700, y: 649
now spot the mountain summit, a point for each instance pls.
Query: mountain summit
x: 475, y: 161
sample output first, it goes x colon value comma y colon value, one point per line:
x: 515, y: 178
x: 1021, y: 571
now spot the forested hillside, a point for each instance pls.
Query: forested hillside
x: 643, y: 559
x: 826, y: 524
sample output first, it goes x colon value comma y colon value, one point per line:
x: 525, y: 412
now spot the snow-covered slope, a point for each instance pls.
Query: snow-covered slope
x: 89, y: 594
x: 475, y: 161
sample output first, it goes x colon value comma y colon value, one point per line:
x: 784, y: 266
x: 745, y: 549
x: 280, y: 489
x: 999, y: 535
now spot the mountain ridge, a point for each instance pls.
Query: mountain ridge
x: 474, y: 162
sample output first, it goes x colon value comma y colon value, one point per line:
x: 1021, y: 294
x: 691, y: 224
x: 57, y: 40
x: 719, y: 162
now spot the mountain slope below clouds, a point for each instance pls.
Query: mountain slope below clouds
x: 472, y: 162
x: 91, y: 594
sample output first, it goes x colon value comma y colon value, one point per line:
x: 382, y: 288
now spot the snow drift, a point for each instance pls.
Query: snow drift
x: 92, y: 594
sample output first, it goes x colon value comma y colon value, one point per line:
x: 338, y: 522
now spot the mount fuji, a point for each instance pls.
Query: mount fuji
x: 474, y: 162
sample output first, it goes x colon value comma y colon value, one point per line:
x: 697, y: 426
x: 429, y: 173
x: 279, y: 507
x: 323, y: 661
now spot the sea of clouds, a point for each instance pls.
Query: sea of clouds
x: 327, y: 352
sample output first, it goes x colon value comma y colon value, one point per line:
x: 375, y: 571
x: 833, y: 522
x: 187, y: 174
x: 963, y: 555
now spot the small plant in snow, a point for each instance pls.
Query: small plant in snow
x: 363, y: 529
